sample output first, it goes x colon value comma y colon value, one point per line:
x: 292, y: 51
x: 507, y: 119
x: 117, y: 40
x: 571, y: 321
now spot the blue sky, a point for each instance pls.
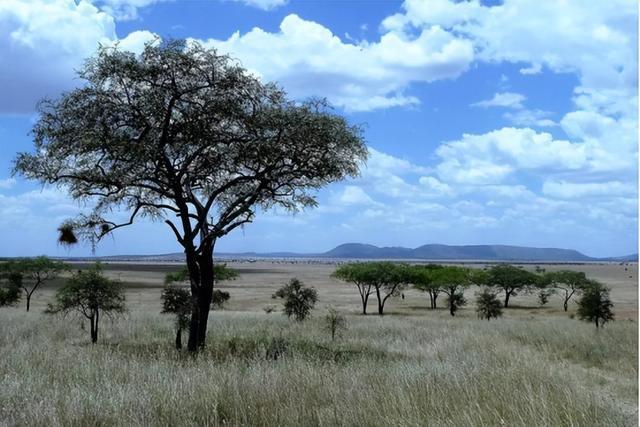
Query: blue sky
x: 510, y: 122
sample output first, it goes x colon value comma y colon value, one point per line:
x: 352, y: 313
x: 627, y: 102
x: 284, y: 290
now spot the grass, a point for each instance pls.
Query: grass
x: 395, y: 370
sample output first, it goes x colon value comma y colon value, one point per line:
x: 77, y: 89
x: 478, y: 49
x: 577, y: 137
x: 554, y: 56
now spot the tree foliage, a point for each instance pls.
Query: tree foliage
x: 10, y: 288
x: 360, y: 275
x: 595, y: 305
x: 509, y: 279
x: 90, y: 294
x: 299, y: 299
x: 184, y: 135
x: 176, y: 300
x: 567, y: 281
x: 487, y: 304
x: 453, y: 281
x: 423, y: 278
x: 30, y: 273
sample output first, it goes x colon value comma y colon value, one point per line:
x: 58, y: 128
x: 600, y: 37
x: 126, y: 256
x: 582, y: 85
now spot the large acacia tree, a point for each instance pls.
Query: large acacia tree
x: 185, y: 135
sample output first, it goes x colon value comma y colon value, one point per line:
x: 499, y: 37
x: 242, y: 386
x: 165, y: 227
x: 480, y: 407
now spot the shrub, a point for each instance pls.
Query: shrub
x: 299, y: 299
x: 219, y: 298
x: 335, y: 323
x: 177, y: 300
x: 488, y: 305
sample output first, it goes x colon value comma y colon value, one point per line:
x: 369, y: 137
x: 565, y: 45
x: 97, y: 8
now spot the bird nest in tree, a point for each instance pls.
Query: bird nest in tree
x: 67, y: 237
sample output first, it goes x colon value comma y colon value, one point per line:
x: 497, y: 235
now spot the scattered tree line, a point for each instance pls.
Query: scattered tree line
x: 385, y: 279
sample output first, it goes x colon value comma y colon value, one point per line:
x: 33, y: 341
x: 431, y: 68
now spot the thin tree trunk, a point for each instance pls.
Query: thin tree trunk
x: 435, y: 300
x: 380, y: 302
x: 365, y: 300
x: 507, y: 294
x: 179, y: 339
x: 28, y: 301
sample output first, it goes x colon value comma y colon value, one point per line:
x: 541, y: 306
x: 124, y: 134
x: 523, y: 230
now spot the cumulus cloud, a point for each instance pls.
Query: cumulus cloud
x: 42, y: 42
x: 502, y: 99
x: 309, y: 60
x: 489, y: 158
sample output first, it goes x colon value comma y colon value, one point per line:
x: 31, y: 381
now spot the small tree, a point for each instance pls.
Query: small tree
x: 567, y: 281
x: 177, y: 300
x: 360, y: 275
x: 511, y: 280
x: 10, y: 288
x: 33, y: 273
x: 453, y: 281
x: 423, y: 278
x: 594, y: 305
x: 299, y: 299
x: 487, y: 305
x: 335, y: 323
x: 90, y: 294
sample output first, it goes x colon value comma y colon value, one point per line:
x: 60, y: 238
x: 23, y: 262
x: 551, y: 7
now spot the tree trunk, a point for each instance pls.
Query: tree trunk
x: 435, y: 301
x: 380, y: 302
x: 201, y: 275
x: 597, y: 324
x: 179, y: 339
x: 94, y: 327
x: 430, y: 300
x: 507, y: 294
x: 451, y: 309
x: 365, y: 299
x: 566, y: 304
x: 28, y: 301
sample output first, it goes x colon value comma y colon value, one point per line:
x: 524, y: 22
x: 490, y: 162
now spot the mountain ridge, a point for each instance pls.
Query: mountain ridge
x: 433, y: 251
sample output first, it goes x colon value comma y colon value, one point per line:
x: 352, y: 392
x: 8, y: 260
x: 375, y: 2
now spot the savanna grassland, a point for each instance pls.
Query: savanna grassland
x: 411, y: 367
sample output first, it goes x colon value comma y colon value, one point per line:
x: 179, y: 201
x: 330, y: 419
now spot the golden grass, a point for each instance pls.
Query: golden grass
x: 413, y: 367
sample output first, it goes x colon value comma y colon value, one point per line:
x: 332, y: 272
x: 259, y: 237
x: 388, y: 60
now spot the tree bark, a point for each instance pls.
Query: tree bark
x: 435, y: 301
x: 28, y: 301
x: 365, y: 300
x: 201, y: 275
x: 380, y: 302
x: 179, y: 339
x: 507, y: 294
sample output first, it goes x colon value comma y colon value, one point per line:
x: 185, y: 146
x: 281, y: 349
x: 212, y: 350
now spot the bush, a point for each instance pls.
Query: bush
x: 219, y: 298
x: 488, y: 305
x: 455, y: 301
x: 335, y: 323
x: 299, y: 299
x: 595, y: 304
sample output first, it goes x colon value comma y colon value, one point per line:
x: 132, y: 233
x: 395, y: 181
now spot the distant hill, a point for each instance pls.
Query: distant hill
x: 467, y: 252
x: 426, y: 252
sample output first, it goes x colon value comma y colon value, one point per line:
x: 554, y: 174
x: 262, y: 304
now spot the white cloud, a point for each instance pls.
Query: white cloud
x: 525, y: 117
x: 264, y: 4
x: 44, y: 41
x: 489, y: 158
x: 502, y: 99
x: 581, y: 190
x: 125, y: 10
x: 7, y: 183
x: 309, y: 60
x: 353, y: 195
x: 435, y: 186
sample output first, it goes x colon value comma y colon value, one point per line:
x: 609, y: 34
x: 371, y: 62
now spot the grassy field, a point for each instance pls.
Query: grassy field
x: 412, y: 367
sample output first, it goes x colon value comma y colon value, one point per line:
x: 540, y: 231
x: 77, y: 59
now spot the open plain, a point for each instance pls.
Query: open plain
x: 413, y: 366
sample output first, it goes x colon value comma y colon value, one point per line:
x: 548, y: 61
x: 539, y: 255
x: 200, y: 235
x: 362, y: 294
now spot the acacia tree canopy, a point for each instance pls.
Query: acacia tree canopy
x: 510, y: 279
x: 185, y: 135
x: 30, y: 273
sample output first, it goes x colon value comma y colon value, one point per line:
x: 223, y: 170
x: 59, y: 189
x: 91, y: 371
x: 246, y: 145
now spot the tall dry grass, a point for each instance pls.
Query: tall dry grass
x: 260, y: 369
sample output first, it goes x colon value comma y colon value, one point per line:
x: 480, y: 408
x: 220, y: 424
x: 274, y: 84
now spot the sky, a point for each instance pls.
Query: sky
x: 487, y: 122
